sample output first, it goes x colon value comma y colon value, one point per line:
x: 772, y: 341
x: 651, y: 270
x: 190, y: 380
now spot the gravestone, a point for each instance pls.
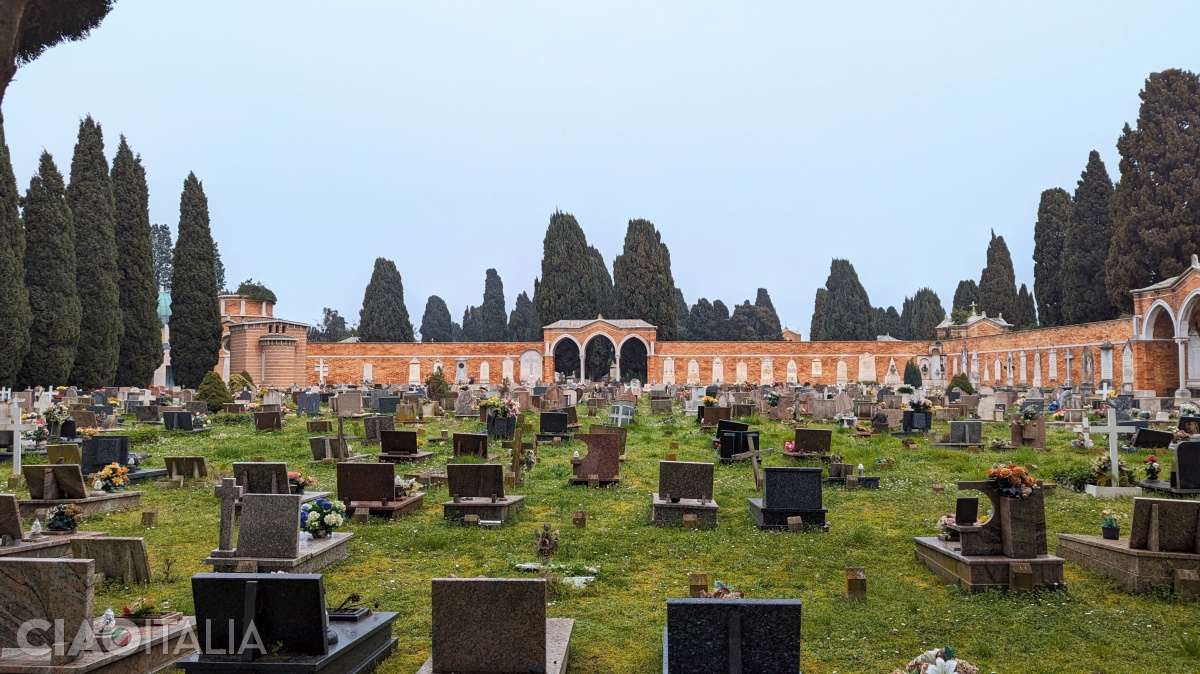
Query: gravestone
x: 620, y: 432
x: 966, y: 432
x: 789, y: 492
x: 464, y: 405
x: 116, y: 558
x: 553, y: 425
x: 44, y: 589
x: 471, y: 444
x: 740, y: 635
x: 348, y: 403
x: 478, y: 489
x: 103, y: 450
x: 810, y: 441
x: 373, y: 486
x: 262, y: 477
x: 193, y: 467
x: 69, y: 453
x: 684, y: 488
x: 602, y: 459
x: 268, y: 421
x: 54, y: 482
x: 83, y: 418
x: 269, y: 526
x: 146, y: 414
x: 177, y: 421
x: 622, y: 413
x: 374, y: 425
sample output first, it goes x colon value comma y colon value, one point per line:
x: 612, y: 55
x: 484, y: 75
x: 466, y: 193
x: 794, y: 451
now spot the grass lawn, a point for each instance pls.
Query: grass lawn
x: 1093, y: 626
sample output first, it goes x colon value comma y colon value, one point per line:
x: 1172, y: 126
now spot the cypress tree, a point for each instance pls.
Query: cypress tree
x: 965, y: 294
x: 141, y: 347
x: 1156, y: 222
x: 700, y: 325
x: 50, y: 277
x: 456, y: 332
x: 921, y: 315
x: 523, y: 322
x: 195, y: 314
x: 847, y: 308
x: 493, y: 321
x: 887, y: 322
x: 213, y: 391
x: 90, y: 197
x: 36, y: 25
x: 575, y: 283
x: 770, y: 328
x: 817, y: 325
x: 998, y: 282
x: 720, y: 320
x: 912, y: 375
x: 470, y: 325
x: 1054, y: 212
x: 164, y: 252
x: 681, y: 316
x: 15, y: 315
x: 741, y: 326
x: 642, y: 280
x: 435, y: 322
x: 332, y: 328
x: 1085, y: 247
x: 219, y: 268
x: 383, y: 317
x: 1026, y: 311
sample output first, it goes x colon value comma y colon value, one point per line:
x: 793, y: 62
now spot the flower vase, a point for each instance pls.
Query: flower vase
x: 1111, y: 533
x: 320, y: 534
x: 297, y: 489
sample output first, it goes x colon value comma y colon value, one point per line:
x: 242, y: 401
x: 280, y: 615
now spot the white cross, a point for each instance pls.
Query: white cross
x: 322, y: 370
x: 13, y: 423
x: 1112, y: 430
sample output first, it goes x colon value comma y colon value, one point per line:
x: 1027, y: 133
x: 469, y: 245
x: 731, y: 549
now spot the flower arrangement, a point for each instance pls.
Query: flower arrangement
x: 920, y: 406
x: 772, y: 398
x: 1110, y: 519
x: 723, y: 591
x: 708, y: 401
x: 64, y: 517
x: 1026, y: 416
x: 502, y: 408
x: 528, y: 460
x: 321, y: 517
x: 299, y: 482
x: 1059, y: 415
x: 113, y: 402
x: 56, y: 414
x: 199, y: 420
x: 113, y: 477
x: 1152, y: 467
x: 789, y: 446
x: 1189, y: 410
x: 1181, y: 435
x: 1102, y: 472
x: 945, y: 522
x: 884, y: 462
x: 144, y: 607
x: 905, y: 389
x: 938, y: 661
x: 1012, y: 480
x: 406, y: 488
x: 862, y: 428
x: 88, y: 432
x: 37, y: 435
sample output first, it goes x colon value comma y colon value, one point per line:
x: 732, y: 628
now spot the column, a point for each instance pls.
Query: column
x: 1183, y: 391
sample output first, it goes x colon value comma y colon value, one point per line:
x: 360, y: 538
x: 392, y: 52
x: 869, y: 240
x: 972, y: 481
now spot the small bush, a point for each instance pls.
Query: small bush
x: 1074, y: 476
x: 962, y: 381
x: 213, y: 391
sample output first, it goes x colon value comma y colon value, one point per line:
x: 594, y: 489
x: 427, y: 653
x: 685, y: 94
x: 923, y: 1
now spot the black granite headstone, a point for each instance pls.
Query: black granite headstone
x: 721, y: 635
x: 1149, y: 438
x: 177, y: 421
x: 554, y: 422
x: 288, y: 610
x: 102, y: 450
x: 966, y: 511
x: 1187, y: 465
x: 792, y: 488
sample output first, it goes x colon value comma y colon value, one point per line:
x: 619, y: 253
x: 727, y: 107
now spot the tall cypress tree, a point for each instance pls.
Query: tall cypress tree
x: 470, y: 325
x: 90, y: 197
x: 1054, y: 212
x: 770, y: 328
x: 742, y: 326
x: 1085, y: 247
x: 847, y: 308
x: 922, y: 313
x: 1156, y: 221
x: 435, y: 322
x: 195, y: 314
x: 15, y: 315
x: 383, y: 317
x: 998, y: 282
x: 575, y: 283
x: 965, y: 294
x: 523, y: 322
x: 141, y: 346
x: 816, y: 327
x: 164, y: 251
x: 642, y: 280
x: 887, y: 322
x: 681, y: 316
x: 701, y: 322
x: 50, y: 277
x: 1026, y: 311
x: 720, y: 320
x: 493, y: 321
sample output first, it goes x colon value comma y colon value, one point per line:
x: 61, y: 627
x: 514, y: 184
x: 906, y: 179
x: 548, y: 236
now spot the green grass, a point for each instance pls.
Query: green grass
x: 1094, y: 626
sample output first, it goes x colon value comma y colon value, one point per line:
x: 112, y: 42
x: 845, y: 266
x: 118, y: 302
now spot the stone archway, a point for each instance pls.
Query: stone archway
x: 632, y: 361
x: 600, y: 355
x: 566, y: 358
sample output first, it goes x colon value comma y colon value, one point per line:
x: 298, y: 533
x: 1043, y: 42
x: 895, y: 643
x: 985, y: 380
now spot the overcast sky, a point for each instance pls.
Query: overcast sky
x: 762, y: 139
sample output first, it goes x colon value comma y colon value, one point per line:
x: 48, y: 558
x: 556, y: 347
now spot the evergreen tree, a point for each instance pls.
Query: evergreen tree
x: 33, y: 26
x: 90, y: 197
x: 249, y: 288
x: 847, y: 308
x: 50, y: 277
x: 741, y: 326
x: 141, y: 346
x: 921, y: 315
x: 770, y: 330
x: 720, y: 320
x: 493, y: 321
x: 1026, y: 311
x: 383, y: 317
x: 574, y: 283
x: 332, y: 328
x: 681, y: 316
x: 456, y: 332
x: 817, y: 325
x: 998, y: 282
x: 470, y: 325
x: 962, y: 382
x: 701, y: 325
x: 1054, y: 212
x: 887, y: 322
x: 1156, y: 222
x: 219, y: 268
x: 523, y: 322
x: 1085, y: 247
x: 213, y: 391
x: 966, y: 294
x: 642, y: 280
x: 15, y: 315
x: 435, y: 322
x: 164, y: 252
x: 912, y: 375
x: 195, y: 314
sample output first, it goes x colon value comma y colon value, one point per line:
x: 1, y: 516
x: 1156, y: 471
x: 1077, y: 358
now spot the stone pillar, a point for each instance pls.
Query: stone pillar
x: 1183, y: 391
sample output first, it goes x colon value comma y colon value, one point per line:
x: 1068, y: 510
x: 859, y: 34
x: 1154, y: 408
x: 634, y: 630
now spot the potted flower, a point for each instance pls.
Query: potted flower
x: 1012, y: 481
x: 321, y: 517
x: 299, y: 482
x: 113, y: 477
x: 772, y: 398
x: 55, y: 415
x: 1152, y: 467
x: 501, y: 416
x: 918, y: 416
x: 64, y: 518
x: 1110, y: 525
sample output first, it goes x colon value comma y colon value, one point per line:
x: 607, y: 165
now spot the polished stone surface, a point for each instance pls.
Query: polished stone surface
x: 792, y: 488
x: 264, y: 477
x: 685, y: 480
x: 44, y: 589
x: 269, y: 526
x: 489, y: 624
x: 603, y: 458
x: 726, y: 635
x: 817, y: 440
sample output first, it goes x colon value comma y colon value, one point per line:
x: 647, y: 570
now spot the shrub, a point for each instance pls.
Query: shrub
x: 962, y: 381
x: 213, y: 391
x: 436, y: 386
x: 1074, y: 476
x: 912, y: 375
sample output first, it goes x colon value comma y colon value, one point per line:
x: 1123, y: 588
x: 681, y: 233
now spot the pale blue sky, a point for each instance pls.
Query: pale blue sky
x: 763, y: 139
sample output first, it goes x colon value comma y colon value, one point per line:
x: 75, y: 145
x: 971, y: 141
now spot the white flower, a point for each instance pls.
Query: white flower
x: 331, y: 519
x: 942, y: 667
x: 313, y: 518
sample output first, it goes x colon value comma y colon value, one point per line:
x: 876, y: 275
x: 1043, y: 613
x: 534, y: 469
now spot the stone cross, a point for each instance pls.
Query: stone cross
x: 754, y: 455
x: 229, y: 492
x: 322, y: 370
x: 1112, y: 430
x: 13, y: 423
